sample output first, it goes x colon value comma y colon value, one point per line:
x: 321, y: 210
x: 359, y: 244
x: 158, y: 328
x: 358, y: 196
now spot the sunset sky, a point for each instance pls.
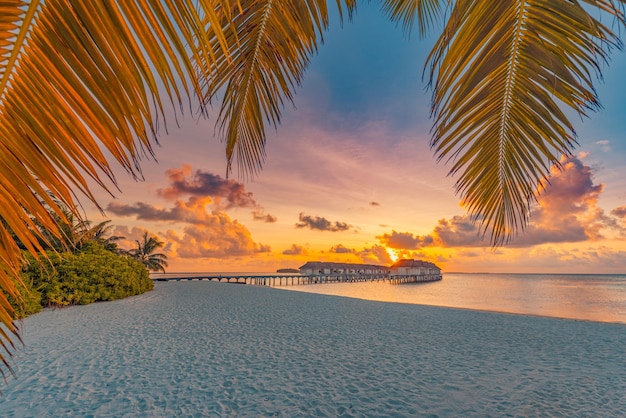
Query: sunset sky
x: 349, y: 177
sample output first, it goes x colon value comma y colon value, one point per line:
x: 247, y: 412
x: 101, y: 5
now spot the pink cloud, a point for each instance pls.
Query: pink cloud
x: 186, y: 182
x: 567, y: 211
x: 129, y: 235
x: 198, y: 185
x: 619, y: 212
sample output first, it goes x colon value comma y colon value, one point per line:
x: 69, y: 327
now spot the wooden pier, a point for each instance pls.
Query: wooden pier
x: 401, y: 279
x: 294, y: 279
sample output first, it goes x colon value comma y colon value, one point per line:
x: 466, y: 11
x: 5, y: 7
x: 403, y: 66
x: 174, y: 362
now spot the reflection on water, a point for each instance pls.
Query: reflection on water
x: 587, y: 297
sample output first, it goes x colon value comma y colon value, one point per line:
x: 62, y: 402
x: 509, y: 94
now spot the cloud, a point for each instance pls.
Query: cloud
x: 459, y: 231
x: 340, y: 249
x: 567, y: 211
x: 186, y: 182
x: 619, y: 212
x: 218, y: 237
x: 296, y: 250
x: 405, y: 240
x: 321, y: 224
x: 377, y: 254
x: 129, y: 235
x: 604, y: 145
x: 259, y: 215
x: 193, y: 211
x: 213, y: 189
x: 208, y: 234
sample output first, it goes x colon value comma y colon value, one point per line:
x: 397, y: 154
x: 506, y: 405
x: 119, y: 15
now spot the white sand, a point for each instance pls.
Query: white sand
x: 210, y: 349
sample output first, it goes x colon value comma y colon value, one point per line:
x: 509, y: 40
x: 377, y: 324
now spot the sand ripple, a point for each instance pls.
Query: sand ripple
x: 209, y: 349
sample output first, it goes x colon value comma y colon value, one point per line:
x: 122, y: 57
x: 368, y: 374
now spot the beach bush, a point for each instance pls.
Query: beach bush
x: 30, y: 301
x: 90, y: 275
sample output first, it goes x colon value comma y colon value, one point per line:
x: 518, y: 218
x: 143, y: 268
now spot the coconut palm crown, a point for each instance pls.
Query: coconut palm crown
x: 83, y: 82
x: 146, y: 255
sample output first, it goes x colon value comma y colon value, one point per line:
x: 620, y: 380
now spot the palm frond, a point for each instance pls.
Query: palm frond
x: 425, y: 12
x: 79, y: 78
x: 270, y: 44
x: 503, y: 70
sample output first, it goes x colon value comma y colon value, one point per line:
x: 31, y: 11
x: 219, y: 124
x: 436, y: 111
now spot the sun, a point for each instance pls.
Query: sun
x: 392, y: 254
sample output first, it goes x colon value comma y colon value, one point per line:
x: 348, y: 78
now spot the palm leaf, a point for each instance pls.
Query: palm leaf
x: 79, y: 78
x: 425, y: 12
x: 502, y: 72
x: 270, y: 44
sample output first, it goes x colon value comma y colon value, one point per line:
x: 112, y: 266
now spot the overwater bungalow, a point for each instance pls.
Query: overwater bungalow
x: 321, y: 267
x: 414, y: 270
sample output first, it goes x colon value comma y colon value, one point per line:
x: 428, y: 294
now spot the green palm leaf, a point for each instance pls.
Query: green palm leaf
x: 145, y: 253
x: 502, y: 71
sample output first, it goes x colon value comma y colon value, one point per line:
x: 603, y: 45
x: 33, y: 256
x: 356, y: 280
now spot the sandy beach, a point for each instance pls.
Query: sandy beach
x: 211, y: 349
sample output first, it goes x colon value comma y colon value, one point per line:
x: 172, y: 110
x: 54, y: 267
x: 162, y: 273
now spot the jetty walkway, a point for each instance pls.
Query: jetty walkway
x: 294, y: 279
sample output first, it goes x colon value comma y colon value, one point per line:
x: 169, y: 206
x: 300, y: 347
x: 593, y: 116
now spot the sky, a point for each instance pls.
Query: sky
x: 349, y: 177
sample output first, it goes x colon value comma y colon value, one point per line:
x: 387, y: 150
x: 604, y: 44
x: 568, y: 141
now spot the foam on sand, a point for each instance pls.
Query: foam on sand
x: 210, y: 349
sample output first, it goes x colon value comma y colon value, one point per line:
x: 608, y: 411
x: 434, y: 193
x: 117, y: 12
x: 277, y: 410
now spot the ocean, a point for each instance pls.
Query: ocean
x: 598, y: 297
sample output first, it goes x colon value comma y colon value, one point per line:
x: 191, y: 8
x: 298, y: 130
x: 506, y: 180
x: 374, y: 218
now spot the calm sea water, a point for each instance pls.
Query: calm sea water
x: 586, y: 297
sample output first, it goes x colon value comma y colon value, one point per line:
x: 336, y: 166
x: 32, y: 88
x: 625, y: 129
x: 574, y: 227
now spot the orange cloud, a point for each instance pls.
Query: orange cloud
x: 208, y: 234
x: 375, y: 255
x: 405, y: 240
x: 340, y: 249
x: 217, y: 237
x: 296, y: 249
x: 129, y: 235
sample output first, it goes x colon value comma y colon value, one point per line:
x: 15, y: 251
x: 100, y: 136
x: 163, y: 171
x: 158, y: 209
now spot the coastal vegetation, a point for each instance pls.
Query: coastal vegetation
x: 83, y: 265
x: 89, y: 275
x: 146, y: 255
x: 80, y: 81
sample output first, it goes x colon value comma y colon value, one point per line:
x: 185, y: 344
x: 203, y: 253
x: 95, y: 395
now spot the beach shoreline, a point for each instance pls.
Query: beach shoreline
x: 564, y: 318
x: 211, y: 349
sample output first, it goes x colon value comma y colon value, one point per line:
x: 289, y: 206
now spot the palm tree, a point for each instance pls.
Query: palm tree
x: 81, y: 80
x: 74, y: 231
x: 145, y: 253
x: 102, y: 234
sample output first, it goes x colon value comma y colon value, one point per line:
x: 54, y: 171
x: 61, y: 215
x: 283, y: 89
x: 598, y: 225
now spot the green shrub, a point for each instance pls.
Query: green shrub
x: 91, y: 275
x: 30, y: 302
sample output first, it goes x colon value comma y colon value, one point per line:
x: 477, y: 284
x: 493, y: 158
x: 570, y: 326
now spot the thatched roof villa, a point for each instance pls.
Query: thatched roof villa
x: 418, y: 268
x: 321, y: 267
x: 414, y: 268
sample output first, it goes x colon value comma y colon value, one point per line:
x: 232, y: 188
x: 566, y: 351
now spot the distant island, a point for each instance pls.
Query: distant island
x: 287, y: 271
